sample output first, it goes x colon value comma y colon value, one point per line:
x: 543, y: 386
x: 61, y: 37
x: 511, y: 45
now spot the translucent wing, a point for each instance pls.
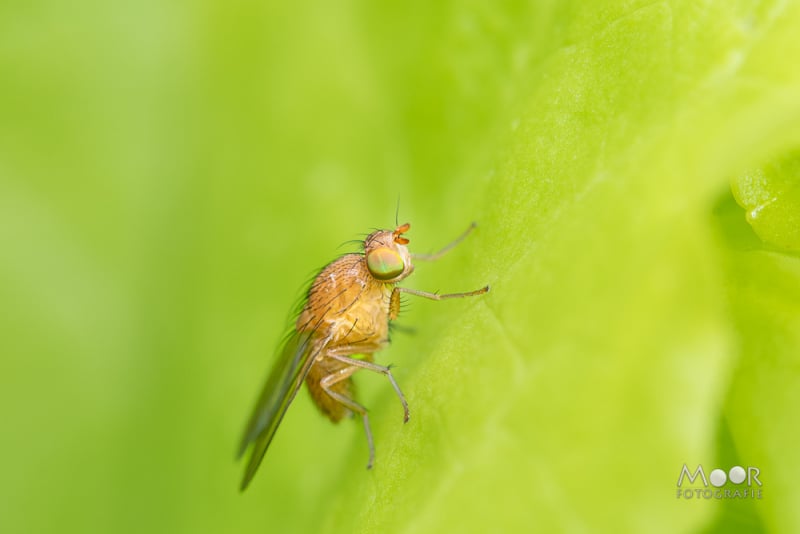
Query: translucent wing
x: 280, y: 389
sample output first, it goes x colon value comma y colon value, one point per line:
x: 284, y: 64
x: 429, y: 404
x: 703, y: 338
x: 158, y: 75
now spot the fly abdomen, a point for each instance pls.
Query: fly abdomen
x: 323, y: 368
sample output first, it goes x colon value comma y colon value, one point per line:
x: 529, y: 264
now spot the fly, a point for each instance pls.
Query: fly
x: 346, y: 312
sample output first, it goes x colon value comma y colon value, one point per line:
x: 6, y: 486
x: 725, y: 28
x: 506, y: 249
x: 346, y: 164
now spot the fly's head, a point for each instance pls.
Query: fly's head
x: 388, y: 259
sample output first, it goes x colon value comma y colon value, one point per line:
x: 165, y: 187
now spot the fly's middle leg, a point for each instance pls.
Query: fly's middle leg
x: 375, y: 368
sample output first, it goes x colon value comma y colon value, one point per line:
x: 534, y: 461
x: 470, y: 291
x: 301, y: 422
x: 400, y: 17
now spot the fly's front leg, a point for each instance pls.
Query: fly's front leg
x: 375, y: 368
x: 447, y: 248
x: 436, y: 296
x: 394, y: 299
x: 327, y: 384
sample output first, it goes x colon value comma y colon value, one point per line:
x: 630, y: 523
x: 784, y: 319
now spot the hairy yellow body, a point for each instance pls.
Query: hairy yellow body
x: 346, y: 313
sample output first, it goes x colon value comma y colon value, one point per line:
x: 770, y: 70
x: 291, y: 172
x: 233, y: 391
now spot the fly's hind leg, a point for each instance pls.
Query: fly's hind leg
x: 327, y: 384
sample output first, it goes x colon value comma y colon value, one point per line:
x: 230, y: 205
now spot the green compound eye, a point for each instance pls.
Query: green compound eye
x: 384, y: 263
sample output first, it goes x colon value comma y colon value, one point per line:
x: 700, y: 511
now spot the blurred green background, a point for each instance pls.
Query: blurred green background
x: 172, y: 173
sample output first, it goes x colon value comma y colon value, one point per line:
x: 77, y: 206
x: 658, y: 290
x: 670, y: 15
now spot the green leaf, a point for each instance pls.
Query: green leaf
x: 771, y: 194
